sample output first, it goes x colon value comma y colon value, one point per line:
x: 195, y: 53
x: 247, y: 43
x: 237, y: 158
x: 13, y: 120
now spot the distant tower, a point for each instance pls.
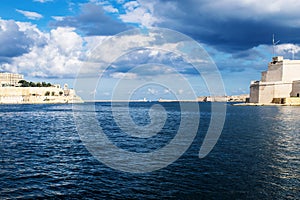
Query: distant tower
x: 66, y: 87
x: 66, y: 90
x: 274, y: 45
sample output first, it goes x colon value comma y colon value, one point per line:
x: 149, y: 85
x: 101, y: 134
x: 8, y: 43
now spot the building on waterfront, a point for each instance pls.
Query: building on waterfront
x: 231, y: 98
x: 280, y: 84
x: 10, y: 79
x: 12, y: 92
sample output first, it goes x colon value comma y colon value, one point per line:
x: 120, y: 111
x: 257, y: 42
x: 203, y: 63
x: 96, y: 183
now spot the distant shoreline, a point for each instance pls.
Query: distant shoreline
x: 234, y: 98
x: 157, y: 101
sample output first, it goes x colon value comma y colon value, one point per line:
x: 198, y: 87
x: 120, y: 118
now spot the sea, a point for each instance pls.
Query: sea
x: 44, y: 156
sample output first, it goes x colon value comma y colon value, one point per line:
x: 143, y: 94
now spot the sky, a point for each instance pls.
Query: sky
x: 56, y: 41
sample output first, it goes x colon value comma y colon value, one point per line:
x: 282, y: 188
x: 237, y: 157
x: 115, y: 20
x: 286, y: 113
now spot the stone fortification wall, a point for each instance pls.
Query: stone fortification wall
x: 30, y: 91
x: 296, y: 89
x: 280, y: 81
x: 12, y: 95
x: 291, y: 70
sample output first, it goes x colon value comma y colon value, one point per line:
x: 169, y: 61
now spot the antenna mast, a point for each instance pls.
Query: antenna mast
x: 274, y: 45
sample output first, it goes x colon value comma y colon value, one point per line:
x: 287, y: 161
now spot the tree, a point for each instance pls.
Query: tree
x: 47, y: 93
x: 44, y: 84
x: 32, y: 84
x: 24, y: 83
x: 61, y: 93
x: 53, y: 93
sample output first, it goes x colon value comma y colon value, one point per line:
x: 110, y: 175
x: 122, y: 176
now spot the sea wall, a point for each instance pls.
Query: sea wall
x: 292, y: 101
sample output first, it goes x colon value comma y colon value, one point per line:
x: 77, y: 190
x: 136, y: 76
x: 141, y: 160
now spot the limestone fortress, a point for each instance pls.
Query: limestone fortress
x: 15, y: 90
x: 280, y: 84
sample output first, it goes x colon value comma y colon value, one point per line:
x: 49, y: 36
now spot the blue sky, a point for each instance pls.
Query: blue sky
x: 50, y: 39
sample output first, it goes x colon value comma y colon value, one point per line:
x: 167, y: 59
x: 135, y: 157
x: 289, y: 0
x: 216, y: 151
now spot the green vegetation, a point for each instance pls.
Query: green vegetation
x: 24, y: 83
x: 47, y: 93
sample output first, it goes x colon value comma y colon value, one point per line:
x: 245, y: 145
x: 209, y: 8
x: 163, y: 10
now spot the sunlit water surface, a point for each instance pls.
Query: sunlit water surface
x: 256, y: 157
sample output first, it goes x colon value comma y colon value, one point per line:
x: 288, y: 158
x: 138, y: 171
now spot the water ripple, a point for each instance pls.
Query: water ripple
x: 43, y: 157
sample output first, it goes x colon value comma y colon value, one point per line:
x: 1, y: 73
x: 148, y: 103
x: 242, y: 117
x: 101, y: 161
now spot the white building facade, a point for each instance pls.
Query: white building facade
x: 279, y: 82
x: 10, y: 79
x: 12, y: 93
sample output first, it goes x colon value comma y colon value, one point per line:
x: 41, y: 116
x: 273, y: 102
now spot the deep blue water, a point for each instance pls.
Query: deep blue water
x: 256, y: 157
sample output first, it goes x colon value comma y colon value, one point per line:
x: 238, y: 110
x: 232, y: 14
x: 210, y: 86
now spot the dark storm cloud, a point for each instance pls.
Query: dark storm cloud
x: 92, y: 21
x: 4, y: 60
x: 13, y: 42
x: 227, y: 26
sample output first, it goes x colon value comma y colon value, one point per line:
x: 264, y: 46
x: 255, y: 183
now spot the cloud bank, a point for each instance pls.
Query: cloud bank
x: 227, y: 25
x: 25, y: 49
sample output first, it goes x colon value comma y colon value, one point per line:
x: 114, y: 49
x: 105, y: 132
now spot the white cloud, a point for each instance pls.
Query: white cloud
x: 167, y: 91
x: 30, y: 15
x: 58, y: 18
x: 131, y: 5
x: 152, y: 91
x: 139, y: 12
x: 59, y: 57
x: 113, y: 48
x: 180, y: 91
x: 110, y: 8
x: 287, y: 50
x: 121, y: 75
x: 106, y: 5
x: 93, y: 41
x: 66, y: 40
